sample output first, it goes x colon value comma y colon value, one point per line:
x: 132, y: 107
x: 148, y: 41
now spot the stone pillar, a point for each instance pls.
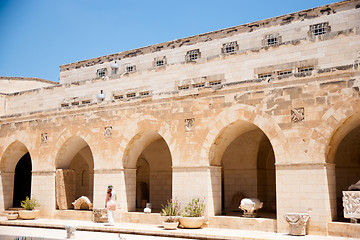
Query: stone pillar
x: 128, y: 189
x: 198, y: 182
x: 43, y: 190
x: 305, y: 188
x: 65, y: 188
x: 6, y: 190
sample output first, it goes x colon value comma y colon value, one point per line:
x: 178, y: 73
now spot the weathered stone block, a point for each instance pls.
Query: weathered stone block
x: 100, y: 215
x: 65, y: 188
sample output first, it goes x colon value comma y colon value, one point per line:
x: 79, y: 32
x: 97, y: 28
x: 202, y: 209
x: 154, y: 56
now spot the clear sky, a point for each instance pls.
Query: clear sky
x: 36, y: 36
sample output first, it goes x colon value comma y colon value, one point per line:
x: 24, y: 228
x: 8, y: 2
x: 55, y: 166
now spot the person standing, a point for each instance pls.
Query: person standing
x: 110, y: 204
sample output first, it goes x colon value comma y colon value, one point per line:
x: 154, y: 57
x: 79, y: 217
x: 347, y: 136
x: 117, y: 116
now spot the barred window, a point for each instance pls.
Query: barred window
x: 319, y: 29
x: 184, y: 87
x: 271, y: 39
x: 214, y: 83
x: 118, y: 97
x: 199, y: 85
x: 159, y: 62
x: 264, y: 75
x: 144, y: 94
x: 230, y: 47
x: 129, y: 68
x: 305, y: 69
x: 101, y: 72
x: 131, y: 95
x: 192, y: 55
x: 284, y: 72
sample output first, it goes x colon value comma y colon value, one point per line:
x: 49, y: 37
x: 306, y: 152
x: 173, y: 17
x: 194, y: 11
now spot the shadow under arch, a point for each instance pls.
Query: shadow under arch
x: 246, y: 145
x: 16, y: 168
x: 74, y: 165
x: 147, y: 163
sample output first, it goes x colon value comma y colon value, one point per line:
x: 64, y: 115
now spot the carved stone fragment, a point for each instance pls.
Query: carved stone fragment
x: 351, y: 203
x: 82, y: 203
x: 100, y: 215
x: 297, y: 223
x: 297, y: 115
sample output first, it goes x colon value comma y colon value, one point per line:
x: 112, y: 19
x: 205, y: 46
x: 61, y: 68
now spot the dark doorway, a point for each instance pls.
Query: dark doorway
x: 22, y: 180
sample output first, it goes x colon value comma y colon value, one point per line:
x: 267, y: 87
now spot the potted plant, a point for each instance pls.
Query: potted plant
x: 29, y: 205
x: 12, y: 215
x: 172, y: 211
x: 193, y: 216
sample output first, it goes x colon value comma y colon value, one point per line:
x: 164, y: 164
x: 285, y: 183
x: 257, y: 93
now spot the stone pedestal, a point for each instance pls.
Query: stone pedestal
x: 297, y: 223
x: 351, y: 203
x: 65, y: 188
x: 70, y: 231
x: 100, y: 215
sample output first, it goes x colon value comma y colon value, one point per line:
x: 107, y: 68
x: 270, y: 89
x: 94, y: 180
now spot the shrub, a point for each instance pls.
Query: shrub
x: 195, y: 208
x: 29, y: 204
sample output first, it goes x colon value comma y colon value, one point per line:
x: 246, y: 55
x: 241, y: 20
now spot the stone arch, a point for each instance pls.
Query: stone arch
x: 74, y: 163
x: 336, y: 143
x: 149, y: 144
x: 242, y: 118
x: 16, y: 174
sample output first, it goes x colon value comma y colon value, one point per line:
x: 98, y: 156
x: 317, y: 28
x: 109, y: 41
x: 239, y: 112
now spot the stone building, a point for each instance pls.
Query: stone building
x: 269, y: 109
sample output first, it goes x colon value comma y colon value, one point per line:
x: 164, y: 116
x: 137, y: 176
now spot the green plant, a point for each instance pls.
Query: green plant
x: 171, y: 209
x: 195, y: 208
x: 29, y: 204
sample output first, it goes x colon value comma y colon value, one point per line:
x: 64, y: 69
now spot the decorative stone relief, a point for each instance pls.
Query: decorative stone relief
x: 189, y: 123
x: 108, y: 131
x: 100, y: 215
x: 82, y: 203
x: 351, y: 203
x: 297, y: 115
x: 44, y: 138
x: 297, y: 223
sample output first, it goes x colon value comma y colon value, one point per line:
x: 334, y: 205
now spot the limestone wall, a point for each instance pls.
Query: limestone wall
x: 19, y: 84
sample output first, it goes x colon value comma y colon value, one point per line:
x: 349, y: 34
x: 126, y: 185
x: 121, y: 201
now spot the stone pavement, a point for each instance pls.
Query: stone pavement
x: 53, y: 229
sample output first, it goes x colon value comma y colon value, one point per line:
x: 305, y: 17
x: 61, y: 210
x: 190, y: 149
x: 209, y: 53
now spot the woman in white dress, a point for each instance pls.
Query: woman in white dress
x: 110, y: 204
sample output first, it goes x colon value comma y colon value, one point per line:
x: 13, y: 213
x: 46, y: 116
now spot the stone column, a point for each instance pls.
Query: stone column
x: 305, y: 188
x: 198, y: 182
x: 6, y: 190
x: 43, y: 190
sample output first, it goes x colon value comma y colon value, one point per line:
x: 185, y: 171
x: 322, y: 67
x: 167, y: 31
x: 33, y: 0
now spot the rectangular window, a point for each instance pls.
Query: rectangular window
x: 114, y: 71
x: 199, y: 85
x: 319, y: 29
x: 214, y: 83
x: 144, y: 94
x: 192, y: 55
x: 264, y: 75
x: 75, y: 103
x: 118, y: 97
x: 131, y: 95
x: 101, y: 72
x: 159, y: 62
x: 284, y: 72
x: 185, y: 87
x: 129, y: 68
x: 305, y: 69
x: 85, y: 102
x: 64, y: 105
x: 230, y: 47
x: 271, y: 39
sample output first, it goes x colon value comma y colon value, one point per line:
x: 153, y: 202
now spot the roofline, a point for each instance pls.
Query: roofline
x: 28, y: 79
x: 217, y: 34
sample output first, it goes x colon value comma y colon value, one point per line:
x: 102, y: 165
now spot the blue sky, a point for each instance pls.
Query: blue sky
x: 36, y: 36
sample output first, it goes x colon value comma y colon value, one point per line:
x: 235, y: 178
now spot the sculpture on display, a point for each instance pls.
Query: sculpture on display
x: 82, y: 203
x: 250, y: 206
x: 100, y: 215
x: 351, y: 202
x: 297, y: 223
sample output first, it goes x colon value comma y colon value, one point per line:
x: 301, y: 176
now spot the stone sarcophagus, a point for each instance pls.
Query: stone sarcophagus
x: 351, y: 203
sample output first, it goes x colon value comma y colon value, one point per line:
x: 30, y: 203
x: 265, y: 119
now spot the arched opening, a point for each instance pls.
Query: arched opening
x: 74, y: 173
x: 149, y: 154
x: 16, y: 167
x: 22, y: 180
x: 347, y: 167
x: 248, y: 168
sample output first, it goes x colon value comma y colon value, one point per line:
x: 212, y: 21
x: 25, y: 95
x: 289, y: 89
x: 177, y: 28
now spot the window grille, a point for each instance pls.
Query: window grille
x: 214, y: 83
x: 159, y: 62
x: 192, y: 55
x: 199, y: 85
x: 230, y: 47
x: 271, y: 40
x: 131, y: 95
x: 85, y: 102
x: 185, y: 87
x: 144, y: 94
x: 118, y: 97
x: 129, y: 68
x: 305, y: 69
x: 264, y: 75
x: 319, y: 29
x: 101, y: 72
x: 284, y: 73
